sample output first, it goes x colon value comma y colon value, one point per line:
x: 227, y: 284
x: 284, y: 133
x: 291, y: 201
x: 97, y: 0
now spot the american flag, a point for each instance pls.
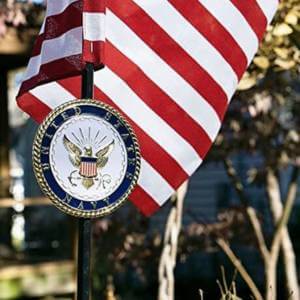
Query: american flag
x: 171, y: 68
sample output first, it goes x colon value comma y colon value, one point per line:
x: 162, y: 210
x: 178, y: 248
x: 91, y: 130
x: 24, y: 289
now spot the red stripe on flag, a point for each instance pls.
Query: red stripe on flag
x: 143, y: 201
x: 254, y: 15
x: 73, y: 85
x: 149, y: 92
x: 94, y: 6
x: 214, y: 32
x: 93, y: 52
x: 171, y: 53
x: 34, y: 107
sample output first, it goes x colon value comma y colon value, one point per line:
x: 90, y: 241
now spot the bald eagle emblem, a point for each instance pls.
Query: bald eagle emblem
x: 88, y: 163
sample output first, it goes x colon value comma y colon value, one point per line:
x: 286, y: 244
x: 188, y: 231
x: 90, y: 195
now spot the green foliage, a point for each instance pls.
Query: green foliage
x: 10, y: 289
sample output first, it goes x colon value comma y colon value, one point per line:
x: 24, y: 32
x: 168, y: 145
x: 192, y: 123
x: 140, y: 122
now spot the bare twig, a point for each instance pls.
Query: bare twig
x: 240, y: 268
x: 258, y: 233
x: 232, y: 284
x: 224, y: 280
x: 220, y: 287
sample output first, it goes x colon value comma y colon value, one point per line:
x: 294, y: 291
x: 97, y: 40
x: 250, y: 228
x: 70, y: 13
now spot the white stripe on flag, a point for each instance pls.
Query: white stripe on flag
x: 234, y: 22
x: 42, y: 30
x: 52, y: 94
x: 148, y: 120
x: 162, y: 74
x: 94, y: 26
x: 70, y: 43
x: 154, y: 184
x: 268, y: 7
x: 55, y: 7
x: 196, y: 45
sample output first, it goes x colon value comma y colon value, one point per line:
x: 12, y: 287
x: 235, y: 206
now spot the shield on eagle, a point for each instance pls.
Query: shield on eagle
x: 88, y: 167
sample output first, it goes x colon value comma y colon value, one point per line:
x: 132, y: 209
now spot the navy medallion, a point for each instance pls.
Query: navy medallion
x: 86, y: 158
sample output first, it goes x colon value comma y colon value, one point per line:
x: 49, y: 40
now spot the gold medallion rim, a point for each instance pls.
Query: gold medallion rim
x: 36, y: 152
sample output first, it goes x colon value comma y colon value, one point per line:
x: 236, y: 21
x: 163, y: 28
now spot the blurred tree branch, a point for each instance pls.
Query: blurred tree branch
x: 280, y: 216
x: 167, y: 263
x: 251, y: 213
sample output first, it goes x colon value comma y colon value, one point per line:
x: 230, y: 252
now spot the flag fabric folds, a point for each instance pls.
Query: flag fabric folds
x: 171, y: 68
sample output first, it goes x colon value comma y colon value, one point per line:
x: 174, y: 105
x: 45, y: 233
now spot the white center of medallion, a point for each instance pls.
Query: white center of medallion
x: 88, y: 158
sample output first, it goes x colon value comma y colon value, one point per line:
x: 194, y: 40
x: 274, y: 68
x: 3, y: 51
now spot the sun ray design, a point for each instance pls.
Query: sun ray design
x: 82, y: 136
x: 98, y: 143
x: 77, y: 139
x: 95, y: 138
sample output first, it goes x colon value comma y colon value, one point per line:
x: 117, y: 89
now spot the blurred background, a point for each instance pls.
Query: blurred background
x: 232, y: 231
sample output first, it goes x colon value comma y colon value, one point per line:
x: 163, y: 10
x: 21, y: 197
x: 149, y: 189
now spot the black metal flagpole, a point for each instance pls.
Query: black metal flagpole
x: 85, y: 225
x: 83, y: 261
